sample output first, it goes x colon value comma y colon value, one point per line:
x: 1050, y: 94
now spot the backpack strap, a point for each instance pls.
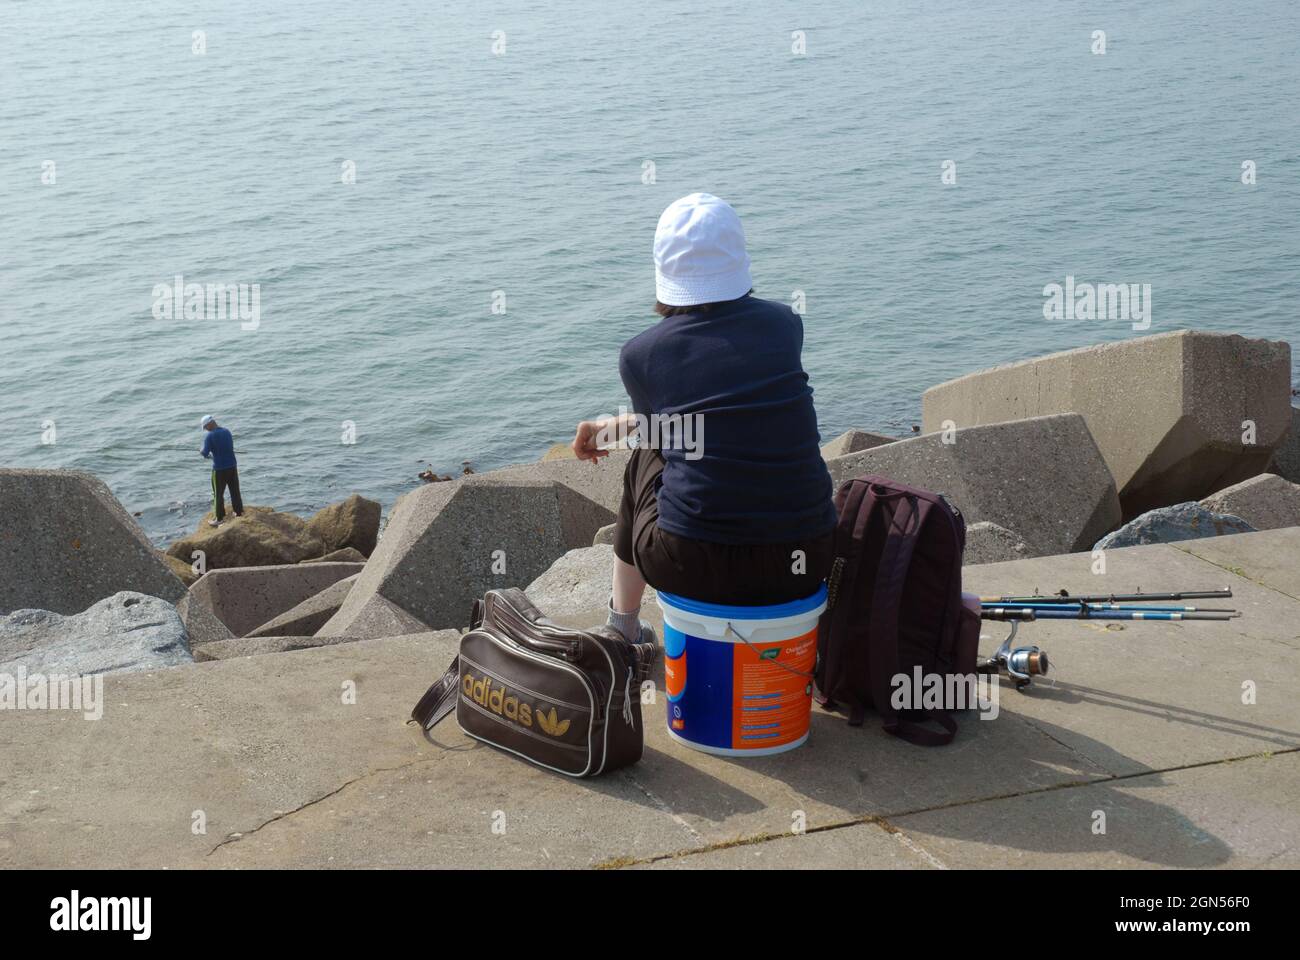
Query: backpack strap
x: 849, y: 527
x: 900, y: 542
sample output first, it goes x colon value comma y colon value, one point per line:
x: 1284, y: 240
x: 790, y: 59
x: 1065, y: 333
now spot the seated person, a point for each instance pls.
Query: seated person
x: 726, y: 498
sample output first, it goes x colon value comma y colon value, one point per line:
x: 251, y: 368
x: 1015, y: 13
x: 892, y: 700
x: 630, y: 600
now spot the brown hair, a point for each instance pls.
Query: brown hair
x: 667, y: 310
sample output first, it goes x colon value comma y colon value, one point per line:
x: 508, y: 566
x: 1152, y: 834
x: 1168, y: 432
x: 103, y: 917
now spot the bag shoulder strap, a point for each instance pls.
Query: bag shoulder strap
x: 440, y: 699
x: 896, y: 559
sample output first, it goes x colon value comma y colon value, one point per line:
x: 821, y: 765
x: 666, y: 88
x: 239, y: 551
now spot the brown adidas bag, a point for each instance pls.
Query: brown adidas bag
x: 567, y: 700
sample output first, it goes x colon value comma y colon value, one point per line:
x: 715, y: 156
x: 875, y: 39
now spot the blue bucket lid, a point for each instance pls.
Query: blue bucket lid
x: 723, y: 611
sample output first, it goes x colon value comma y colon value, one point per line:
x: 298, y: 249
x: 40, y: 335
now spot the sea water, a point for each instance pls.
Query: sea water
x: 446, y: 211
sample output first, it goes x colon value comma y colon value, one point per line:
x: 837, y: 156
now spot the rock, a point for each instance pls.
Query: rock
x: 1286, y: 456
x: 1266, y: 502
x: 448, y: 543
x: 127, y: 631
x: 200, y: 622
x: 244, y: 598
x: 559, y: 451
x: 575, y: 590
x: 1043, y: 478
x: 346, y: 555
x: 184, y: 571
x: 1182, y: 521
x: 353, y: 522
x: 262, y: 537
x: 989, y: 543
x: 66, y: 543
x: 604, y: 535
x: 307, y: 617
x: 1166, y: 411
x: 852, y: 441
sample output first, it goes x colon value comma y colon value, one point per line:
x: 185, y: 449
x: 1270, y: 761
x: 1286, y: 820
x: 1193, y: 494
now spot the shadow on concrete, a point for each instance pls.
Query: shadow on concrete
x: 1062, y: 821
x: 1076, y: 693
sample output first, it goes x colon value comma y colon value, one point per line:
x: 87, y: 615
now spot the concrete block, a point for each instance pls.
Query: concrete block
x: 1166, y: 411
x: 201, y: 623
x: 1266, y: 502
x: 600, y: 482
x: 377, y: 616
x: 577, y: 587
x: 446, y: 544
x: 304, y: 619
x: 66, y: 543
x: 1043, y: 478
x: 1286, y: 455
x: 244, y: 598
x: 259, y: 646
x: 345, y: 555
x: 989, y: 543
x: 852, y: 441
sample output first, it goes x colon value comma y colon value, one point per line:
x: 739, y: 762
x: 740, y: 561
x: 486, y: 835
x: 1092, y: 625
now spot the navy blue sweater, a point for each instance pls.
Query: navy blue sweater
x: 761, y: 477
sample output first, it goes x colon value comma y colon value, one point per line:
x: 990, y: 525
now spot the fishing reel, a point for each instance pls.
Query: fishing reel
x: 1020, y: 664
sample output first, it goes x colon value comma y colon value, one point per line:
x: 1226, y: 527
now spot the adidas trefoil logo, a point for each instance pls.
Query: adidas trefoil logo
x: 551, y: 724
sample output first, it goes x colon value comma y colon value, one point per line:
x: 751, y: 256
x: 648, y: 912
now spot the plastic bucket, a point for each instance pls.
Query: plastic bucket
x: 739, y: 679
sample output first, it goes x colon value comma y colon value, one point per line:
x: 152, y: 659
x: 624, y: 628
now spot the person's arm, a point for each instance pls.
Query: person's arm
x: 207, y: 445
x: 592, y: 432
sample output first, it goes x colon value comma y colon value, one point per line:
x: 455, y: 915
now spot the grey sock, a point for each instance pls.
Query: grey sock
x: 628, y: 624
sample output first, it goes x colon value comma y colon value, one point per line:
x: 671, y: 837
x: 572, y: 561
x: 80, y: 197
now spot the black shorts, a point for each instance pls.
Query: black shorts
x: 742, y: 574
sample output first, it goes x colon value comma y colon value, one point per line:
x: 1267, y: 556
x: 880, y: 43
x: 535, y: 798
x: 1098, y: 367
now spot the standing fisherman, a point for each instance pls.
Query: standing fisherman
x: 219, y: 445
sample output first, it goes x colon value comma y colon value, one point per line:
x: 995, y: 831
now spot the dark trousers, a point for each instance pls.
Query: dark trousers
x: 741, y: 574
x: 223, y: 480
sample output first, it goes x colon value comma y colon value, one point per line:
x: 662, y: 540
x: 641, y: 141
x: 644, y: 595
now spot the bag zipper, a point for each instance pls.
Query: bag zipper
x: 569, y: 649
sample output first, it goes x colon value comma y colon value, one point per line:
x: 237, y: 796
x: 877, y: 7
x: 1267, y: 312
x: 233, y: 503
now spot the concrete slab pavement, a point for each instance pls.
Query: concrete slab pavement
x: 281, y: 771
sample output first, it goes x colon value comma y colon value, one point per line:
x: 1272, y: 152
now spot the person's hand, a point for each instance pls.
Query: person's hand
x: 584, y: 441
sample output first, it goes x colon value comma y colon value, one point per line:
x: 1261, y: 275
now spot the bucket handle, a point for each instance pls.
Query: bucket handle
x: 798, y: 673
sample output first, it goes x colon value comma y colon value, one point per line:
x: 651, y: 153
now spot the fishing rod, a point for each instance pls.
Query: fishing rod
x: 1112, y: 606
x: 1022, y: 664
x: 1064, y: 596
x: 1024, y: 614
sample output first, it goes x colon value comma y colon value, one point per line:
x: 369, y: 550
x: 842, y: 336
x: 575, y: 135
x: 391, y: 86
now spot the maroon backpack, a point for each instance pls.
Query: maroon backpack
x: 894, y: 604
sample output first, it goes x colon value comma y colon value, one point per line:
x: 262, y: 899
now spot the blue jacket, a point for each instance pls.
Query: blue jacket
x: 220, y: 446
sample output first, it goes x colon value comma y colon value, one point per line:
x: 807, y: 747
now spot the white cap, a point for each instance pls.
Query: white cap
x: 206, y: 420
x: 700, y: 253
